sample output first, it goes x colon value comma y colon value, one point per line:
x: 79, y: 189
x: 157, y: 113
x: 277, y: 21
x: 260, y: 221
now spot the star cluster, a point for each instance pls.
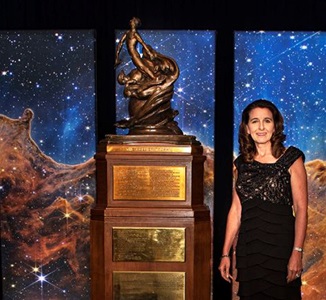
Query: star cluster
x: 289, y: 69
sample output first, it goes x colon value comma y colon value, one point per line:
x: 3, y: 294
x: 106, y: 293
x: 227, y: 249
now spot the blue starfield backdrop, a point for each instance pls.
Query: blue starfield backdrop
x: 289, y: 68
x: 194, y: 52
x: 52, y: 73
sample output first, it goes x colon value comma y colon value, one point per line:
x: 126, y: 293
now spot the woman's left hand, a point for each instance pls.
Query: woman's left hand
x: 294, y: 266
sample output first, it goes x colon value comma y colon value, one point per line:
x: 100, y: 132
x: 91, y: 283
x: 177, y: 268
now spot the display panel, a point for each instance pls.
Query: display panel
x: 289, y: 69
x: 47, y: 186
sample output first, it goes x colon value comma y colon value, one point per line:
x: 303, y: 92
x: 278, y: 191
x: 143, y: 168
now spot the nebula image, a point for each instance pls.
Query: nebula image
x: 47, y: 175
x: 289, y: 69
x: 45, y: 209
x: 47, y: 140
x: 47, y: 169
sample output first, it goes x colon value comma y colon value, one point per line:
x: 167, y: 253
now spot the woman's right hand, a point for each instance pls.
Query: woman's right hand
x: 224, y: 268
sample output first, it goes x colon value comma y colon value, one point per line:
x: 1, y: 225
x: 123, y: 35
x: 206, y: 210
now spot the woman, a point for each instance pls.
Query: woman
x: 268, y: 214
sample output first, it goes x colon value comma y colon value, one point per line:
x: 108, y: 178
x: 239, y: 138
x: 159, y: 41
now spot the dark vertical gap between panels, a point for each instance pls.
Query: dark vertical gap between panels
x: 223, y: 152
x: 106, y: 105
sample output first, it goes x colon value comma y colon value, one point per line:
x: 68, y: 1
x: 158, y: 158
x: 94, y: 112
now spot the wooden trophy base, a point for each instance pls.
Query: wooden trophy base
x: 150, y: 231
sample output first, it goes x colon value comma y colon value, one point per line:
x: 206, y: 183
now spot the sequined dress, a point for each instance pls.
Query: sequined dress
x: 266, y: 234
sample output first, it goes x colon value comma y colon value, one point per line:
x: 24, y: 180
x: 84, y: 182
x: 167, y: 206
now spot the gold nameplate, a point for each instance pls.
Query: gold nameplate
x: 148, y: 149
x: 148, y: 244
x: 149, y: 183
x: 149, y: 285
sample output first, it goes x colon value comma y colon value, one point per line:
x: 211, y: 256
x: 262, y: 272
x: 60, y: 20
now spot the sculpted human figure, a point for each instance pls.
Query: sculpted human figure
x: 149, y: 86
x: 131, y: 37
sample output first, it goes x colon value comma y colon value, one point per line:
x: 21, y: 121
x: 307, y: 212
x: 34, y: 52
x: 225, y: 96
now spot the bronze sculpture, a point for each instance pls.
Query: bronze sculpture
x: 149, y: 87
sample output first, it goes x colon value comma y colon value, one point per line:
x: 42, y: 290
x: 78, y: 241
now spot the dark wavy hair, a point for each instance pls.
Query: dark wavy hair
x: 247, y: 146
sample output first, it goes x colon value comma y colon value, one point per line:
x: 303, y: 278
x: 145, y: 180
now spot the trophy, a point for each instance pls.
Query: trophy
x: 150, y: 230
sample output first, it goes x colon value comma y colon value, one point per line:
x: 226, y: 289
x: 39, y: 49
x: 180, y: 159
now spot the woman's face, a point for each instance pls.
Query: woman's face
x: 261, y: 125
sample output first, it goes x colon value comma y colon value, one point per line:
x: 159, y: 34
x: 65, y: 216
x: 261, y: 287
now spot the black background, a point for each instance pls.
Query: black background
x: 224, y: 16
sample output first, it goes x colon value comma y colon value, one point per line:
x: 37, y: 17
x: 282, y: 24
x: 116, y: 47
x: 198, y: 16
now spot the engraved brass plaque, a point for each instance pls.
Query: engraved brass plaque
x: 149, y: 183
x: 149, y: 285
x: 148, y: 149
x: 149, y: 244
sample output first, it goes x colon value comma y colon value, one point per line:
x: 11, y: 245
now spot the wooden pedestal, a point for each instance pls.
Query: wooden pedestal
x: 150, y: 231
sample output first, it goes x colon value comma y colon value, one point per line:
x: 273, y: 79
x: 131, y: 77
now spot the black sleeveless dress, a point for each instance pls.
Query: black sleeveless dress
x: 266, y: 234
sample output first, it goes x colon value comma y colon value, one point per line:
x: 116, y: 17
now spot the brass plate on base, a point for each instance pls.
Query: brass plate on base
x: 149, y: 183
x: 148, y: 149
x: 149, y: 285
x: 148, y: 244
